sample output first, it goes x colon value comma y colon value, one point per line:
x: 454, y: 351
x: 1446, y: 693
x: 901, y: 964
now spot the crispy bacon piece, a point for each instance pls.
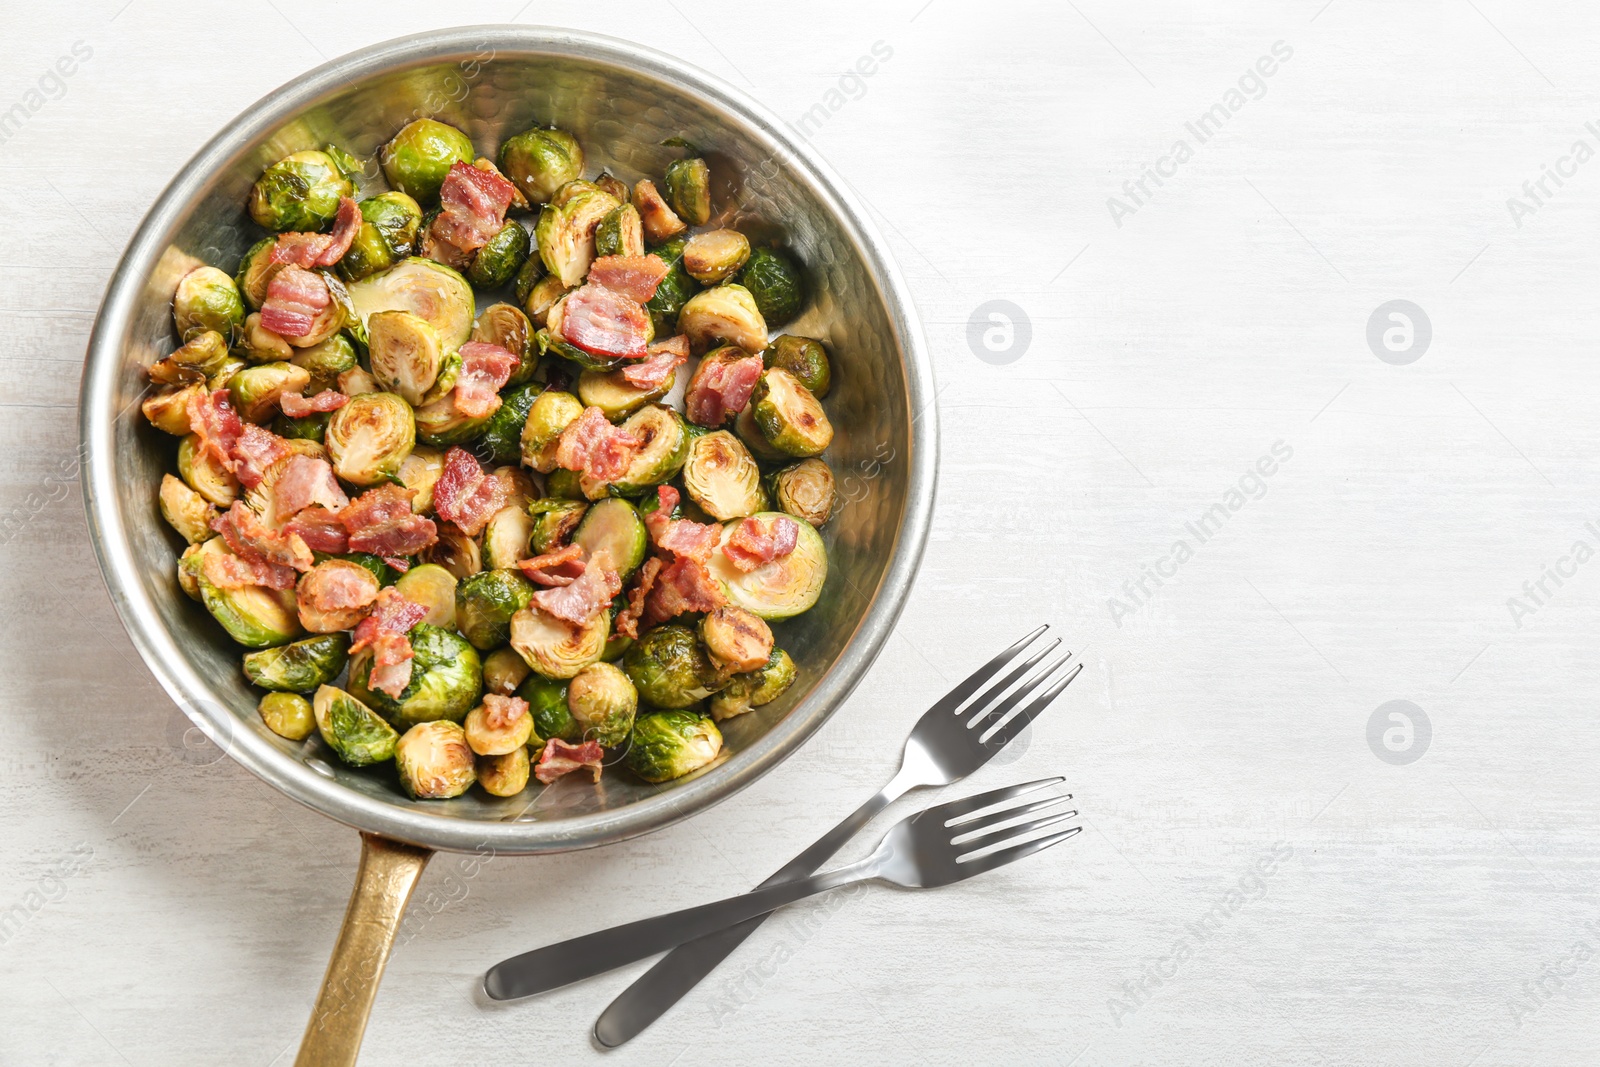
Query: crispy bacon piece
x: 233, y: 572
x: 592, y: 445
x: 473, y: 207
x: 250, y: 539
x: 485, y: 369
x: 399, y: 563
x: 322, y: 530
x: 561, y: 567
x: 465, y: 495
x: 681, y: 537
x: 605, y: 323
x: 295, y: 298
x: 255, y: 452
x: 384, y: 630
x: 500, y: 713
x: 628, y: 618
x: 381, y: 521
x: 559, y: 758
x: 720, y: 389
x: 217, y: 424
x: 337, y: 591
x: 307, y: 250
x: 298, y: 407
x: 757, y: 541
x: 683, y: 586
x: 306, y: 481
x: 582, y: 599
x: 664, y: 358
x: 635, y: 277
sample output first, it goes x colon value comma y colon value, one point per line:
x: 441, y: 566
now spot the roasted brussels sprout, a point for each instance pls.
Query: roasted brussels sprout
x: 727, y: 313
x: 485, y: 603
x: 253, y: 615
x: 547, y: 704
x: 736, y: 640
x: 506, y: 325
x: 715, y: 256
x: 565, y: 233
x: 603, y: 702
x: 431, y: 291
x: 673, y: 291
x: 688, y: 190
x: 540, y: 161
x: 500, y: 439
x: 670, y: 669
x: 207, y: 299
x: 776, y: 283
x: 554, y: 649
x: 300, y: 666
x: 786, y: 586
x: 406, y: 355
x: 551, y: 412
x: 186, y: 510
x: 613, y: 525
x: 615, y: 396
x: 370, y: 437
x: 506, y: 537
x: 620, y: 233
x: 722, y: 477
x: 257, y: 344
x: 504, y: 776
x: 256, y: 390
x: 664, y: 438
x: 530, y: 274
x: 256, y: 271
x: 503, y: 671
x: 805, y: 490
x: 434, y: 588
x: 199, y: 358
x: 434, y: 761
x: 553, y: 522
x: 755, y: 688
x: 325, y: 362
x: 446, y: 679
x: 671, y: 744
x: 803, y: 357
x: 489, y: 734
x: 420, y: 471
x: 186, y: 576
x: 350, y: 579
x: 356, y: 733
x: 299, y: 192
x: 545, y: 294
x: 789, y: 417
x: 389, y: 225
x: 613, y: 185
x: 439, y: 423
x: 421, y: 154
x: 455, y: 552
x: 312, y: 427
x: 498, y: 261
x: 205, y: 474
x: 288, y: 715
x: 168, y: 409
x: 659, y: 220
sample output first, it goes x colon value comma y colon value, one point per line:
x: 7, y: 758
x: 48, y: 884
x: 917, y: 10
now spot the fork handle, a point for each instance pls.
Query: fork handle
x: 592, y: 954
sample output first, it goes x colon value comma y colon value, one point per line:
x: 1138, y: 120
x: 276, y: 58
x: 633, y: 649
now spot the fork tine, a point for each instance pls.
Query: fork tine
x: 989, y: 716
x: 980, y: 706
x: 967, y: 805
x: 973, y: 841
x: 999, y: 859
x: 973, y: 822
x: 958, y: 696
x: 1003, y: 734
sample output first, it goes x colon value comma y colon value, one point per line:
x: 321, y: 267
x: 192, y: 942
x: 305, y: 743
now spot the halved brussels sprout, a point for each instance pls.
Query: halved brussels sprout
x: 186, y: 579
x: 288, y: 715
x: 670, y: 669
x: 503, y: 671
x: 434, y: 588
x: 207, y: 299
x: 688, y: 189
x: 505, y: 325
x: 613, y: 185
x: 565, y: 233
x: 531, y: 273
x: 671, y: 744
x: 406, y: 355
x: 420, y: 471
x: 455, y: 552
x: 736, y: 640
x: 518, y: 485
x: 786, y: 586
x: 186, y: 510
x: 722, y: 477
x: 727, y: 313
x: 776, y: 283
x: 498, y: 261
x: 504, y: 776
x: 312, y: 427
x: 431, y: 291
x: 612, y: 525
x: 439, y: 423
x: 421, y: 154
x: 325, y: 362
x: 804, y: 490
x: 487, y: 739
x: 564, y: 485
x: 620, y: 233
x: 547, y: 704
x: 257, y: 344
x: 485, y: 603
x: 803, y: 357
x: 540, y: 161
x: 664, y: 446
x: 758, y: 687
x: 253, y: 615
x: 256, y: 271
x: 300, y: 666
x: 745, y: 428
x: 545, y: 294
x: 551, y: 412
x: 550, y: 343
x: 673, y: 291
x: 506, y: 537
x: 789, y: 417
x: 446, y: 679
x: 356, y: 733
x: 615, y: 396
x: 500, y: 440
x: 205, y: 474
x: 299, y: 192
x: 435, y: 761
x: 389, y: 225
x: 603, y: 702
x: 553, y: 522
x: 199, y: 358
x: 554, y: 649
x: 660, y: 221
x: 168, y: 410
x: 369, y: 437
x: 357, y: 382
x: 256, y: 390
x: 715, y: 256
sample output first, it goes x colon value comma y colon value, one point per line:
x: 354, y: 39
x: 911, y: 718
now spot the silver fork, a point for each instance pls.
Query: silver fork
x: 932, y: 848
x: 952, y: 739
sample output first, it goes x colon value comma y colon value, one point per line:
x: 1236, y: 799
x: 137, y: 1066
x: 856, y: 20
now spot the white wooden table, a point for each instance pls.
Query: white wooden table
x: 1258, y: 882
